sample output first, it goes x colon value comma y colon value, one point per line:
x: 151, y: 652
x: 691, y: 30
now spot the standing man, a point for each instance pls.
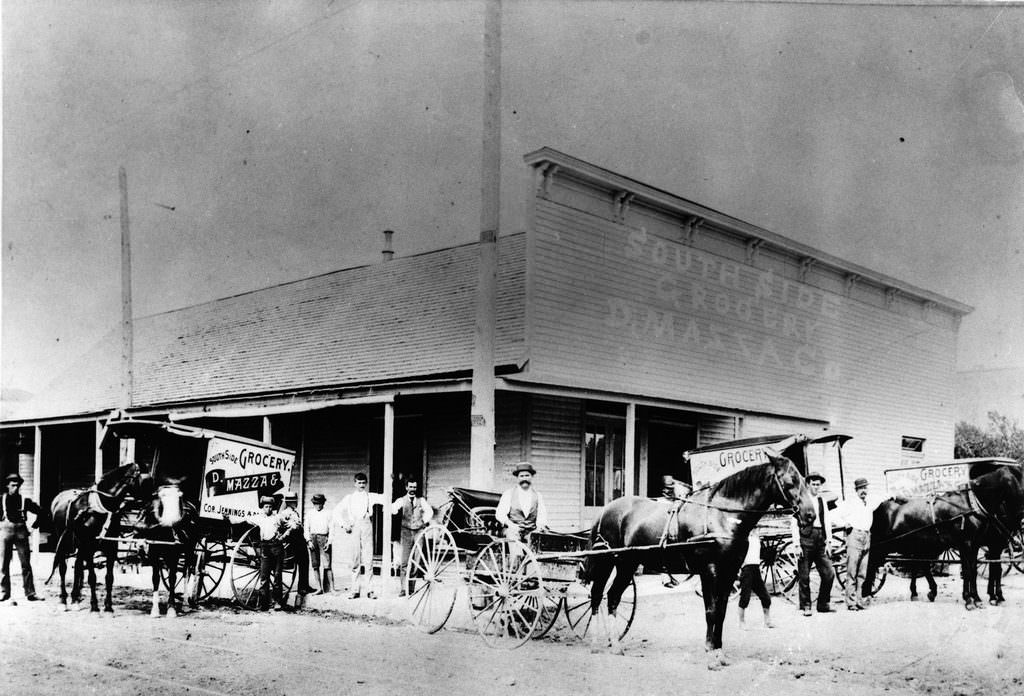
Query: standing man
x: 416, y: 513
x: 297, y: 542
x: 813, y: 542
x: 318, y: 533
x: 354, y: 514
x: 521, y: 509
x: 856, y: 515
x: 272, y: 531
x: 14, y: 536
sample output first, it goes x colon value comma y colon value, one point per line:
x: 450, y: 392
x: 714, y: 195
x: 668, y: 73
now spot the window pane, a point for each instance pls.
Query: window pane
x: 618, y: 473
x: 588, y: 470
x: 599, y: 469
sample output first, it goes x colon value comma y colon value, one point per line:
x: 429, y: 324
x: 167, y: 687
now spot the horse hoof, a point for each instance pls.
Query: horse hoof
x: 94, y: 610
x: 931, y: 596
x: 993, y: 602
x: 108, y: 610
x: 913, y: 598
x: 154, y: 613
x: 171, y: 614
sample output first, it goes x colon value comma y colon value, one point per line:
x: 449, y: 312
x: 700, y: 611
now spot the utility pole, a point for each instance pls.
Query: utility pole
x: 481, y: 449
x: 127, y: 339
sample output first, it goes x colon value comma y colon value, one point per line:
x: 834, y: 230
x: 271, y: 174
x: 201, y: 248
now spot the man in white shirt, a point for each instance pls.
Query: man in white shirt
x: 856, y: 515
x: 318, y: 533
x: 354, y: 514
x: 272, y: 531
x: 521, y: 509
x: 416, y: 514
x: 813, y: 542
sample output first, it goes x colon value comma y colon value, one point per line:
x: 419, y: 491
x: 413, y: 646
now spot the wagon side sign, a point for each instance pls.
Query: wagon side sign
x: 926, y: 480
x: 711, y: 467
x: 237, y: 474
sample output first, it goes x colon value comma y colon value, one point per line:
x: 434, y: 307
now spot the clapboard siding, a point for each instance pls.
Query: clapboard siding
x: 620, y: 307
x: 556, y: 437
x: 759, y: 426
x: 446, y: 428
x: 334, y: 451
x: 712, y: 430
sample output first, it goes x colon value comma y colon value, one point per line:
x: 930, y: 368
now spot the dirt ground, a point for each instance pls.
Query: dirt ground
x: 341, y: 646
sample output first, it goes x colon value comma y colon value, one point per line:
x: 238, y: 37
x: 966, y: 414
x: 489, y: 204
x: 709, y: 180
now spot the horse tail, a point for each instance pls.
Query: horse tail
x: 597, y: 543
x: 59, y: 553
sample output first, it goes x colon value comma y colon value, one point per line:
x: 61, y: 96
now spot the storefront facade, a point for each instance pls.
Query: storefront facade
x: 632, y: 325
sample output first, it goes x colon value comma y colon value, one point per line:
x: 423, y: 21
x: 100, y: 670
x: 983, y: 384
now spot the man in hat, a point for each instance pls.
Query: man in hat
x: 416, y: 514
x: 813, y: 541
x: 297, y: 542
x: 521, y: 509
x: 855, y: 517
x: 272, y: 530
x: 318, y: 533
x: 14, y: 536
x: 354, y: 515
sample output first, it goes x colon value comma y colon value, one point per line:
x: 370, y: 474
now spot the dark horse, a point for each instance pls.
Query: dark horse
x: 79, y: 517
x: 983, y: 514
x: 710, y: 528
x: 167, y: 527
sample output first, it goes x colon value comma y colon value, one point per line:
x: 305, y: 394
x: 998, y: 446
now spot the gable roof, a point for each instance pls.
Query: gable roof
x: 408, y: 318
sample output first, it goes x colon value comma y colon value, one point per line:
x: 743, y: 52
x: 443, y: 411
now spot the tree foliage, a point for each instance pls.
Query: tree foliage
x: 1002, y: 438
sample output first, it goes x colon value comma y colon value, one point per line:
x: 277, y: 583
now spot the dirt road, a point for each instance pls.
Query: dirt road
x: 896, y: 647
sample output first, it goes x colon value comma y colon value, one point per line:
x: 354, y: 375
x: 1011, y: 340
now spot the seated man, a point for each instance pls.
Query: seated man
x: 521, y: 509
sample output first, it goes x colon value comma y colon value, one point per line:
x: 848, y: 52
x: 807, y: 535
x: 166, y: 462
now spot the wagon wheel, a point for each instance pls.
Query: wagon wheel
x: 941, y: 567
x: 506, y: 592
x: 1007, y: 557
x: 203, y: 575
x: 778, y: 566
x: 432, y: 578
x: 577, y: 608
x: 208, y: 570
x: 1016, y: 550
x: 245, y: 571
x: 550, y: 608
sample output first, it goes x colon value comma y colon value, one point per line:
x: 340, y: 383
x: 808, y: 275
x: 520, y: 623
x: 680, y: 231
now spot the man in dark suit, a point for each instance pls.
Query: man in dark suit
x: 813, y: 540
x: 14, y: 535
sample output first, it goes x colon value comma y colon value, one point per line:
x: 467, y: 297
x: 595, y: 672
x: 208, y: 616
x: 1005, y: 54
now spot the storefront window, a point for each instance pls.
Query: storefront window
x: 603, y: 473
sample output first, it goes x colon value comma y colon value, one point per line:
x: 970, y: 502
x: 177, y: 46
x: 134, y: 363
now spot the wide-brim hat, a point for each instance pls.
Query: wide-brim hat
x: 860, y: 483
x: 319, y: 498
x: 267, y: 500
x: 667, y: 480
x: 524, y: 466
x: 814, y: 475
x: 15, y: 478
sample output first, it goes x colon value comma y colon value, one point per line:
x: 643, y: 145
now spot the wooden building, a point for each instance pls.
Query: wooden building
x: 632, y: 325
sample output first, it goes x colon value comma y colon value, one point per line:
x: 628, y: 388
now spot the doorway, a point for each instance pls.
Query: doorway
x: 666, y: 443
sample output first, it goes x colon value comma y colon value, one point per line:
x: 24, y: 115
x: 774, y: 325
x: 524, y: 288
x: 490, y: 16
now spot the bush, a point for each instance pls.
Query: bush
x: 1002, y: 438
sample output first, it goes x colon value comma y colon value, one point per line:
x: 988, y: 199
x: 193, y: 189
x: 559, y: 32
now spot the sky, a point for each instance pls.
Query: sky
x: 266, y: 141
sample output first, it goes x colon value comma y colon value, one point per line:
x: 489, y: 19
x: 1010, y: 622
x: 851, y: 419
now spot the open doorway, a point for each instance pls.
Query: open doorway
x: 666, y: 443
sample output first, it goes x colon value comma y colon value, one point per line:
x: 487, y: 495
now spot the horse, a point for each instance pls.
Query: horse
x: 167, y: 529
x: 707, y: 530
x: 80, y: 516
x: 984, y: 513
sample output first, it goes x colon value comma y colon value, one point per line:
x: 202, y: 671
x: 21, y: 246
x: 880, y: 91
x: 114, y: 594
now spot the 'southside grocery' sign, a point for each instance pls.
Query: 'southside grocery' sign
x: 237, y: 474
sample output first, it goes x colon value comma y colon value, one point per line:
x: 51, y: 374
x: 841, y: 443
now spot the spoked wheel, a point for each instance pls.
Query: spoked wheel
x: 577, y: 608
x: 245, y: 571
x: 550, y: 608
x: 1007, y: 558
x: 506, y: 593
x: 432, y: 578
x: 947, y: 561
x: 1016, y: 550
x: 208, y: 570
x: 778, y: 566
x: 181, y: 576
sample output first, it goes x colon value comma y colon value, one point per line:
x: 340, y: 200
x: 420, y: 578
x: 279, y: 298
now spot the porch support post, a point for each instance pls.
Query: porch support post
x: 629, y: 465
x: 386, y: 585
x: 99, y: 452
x: 37, y: 480
x: 267, y: 433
